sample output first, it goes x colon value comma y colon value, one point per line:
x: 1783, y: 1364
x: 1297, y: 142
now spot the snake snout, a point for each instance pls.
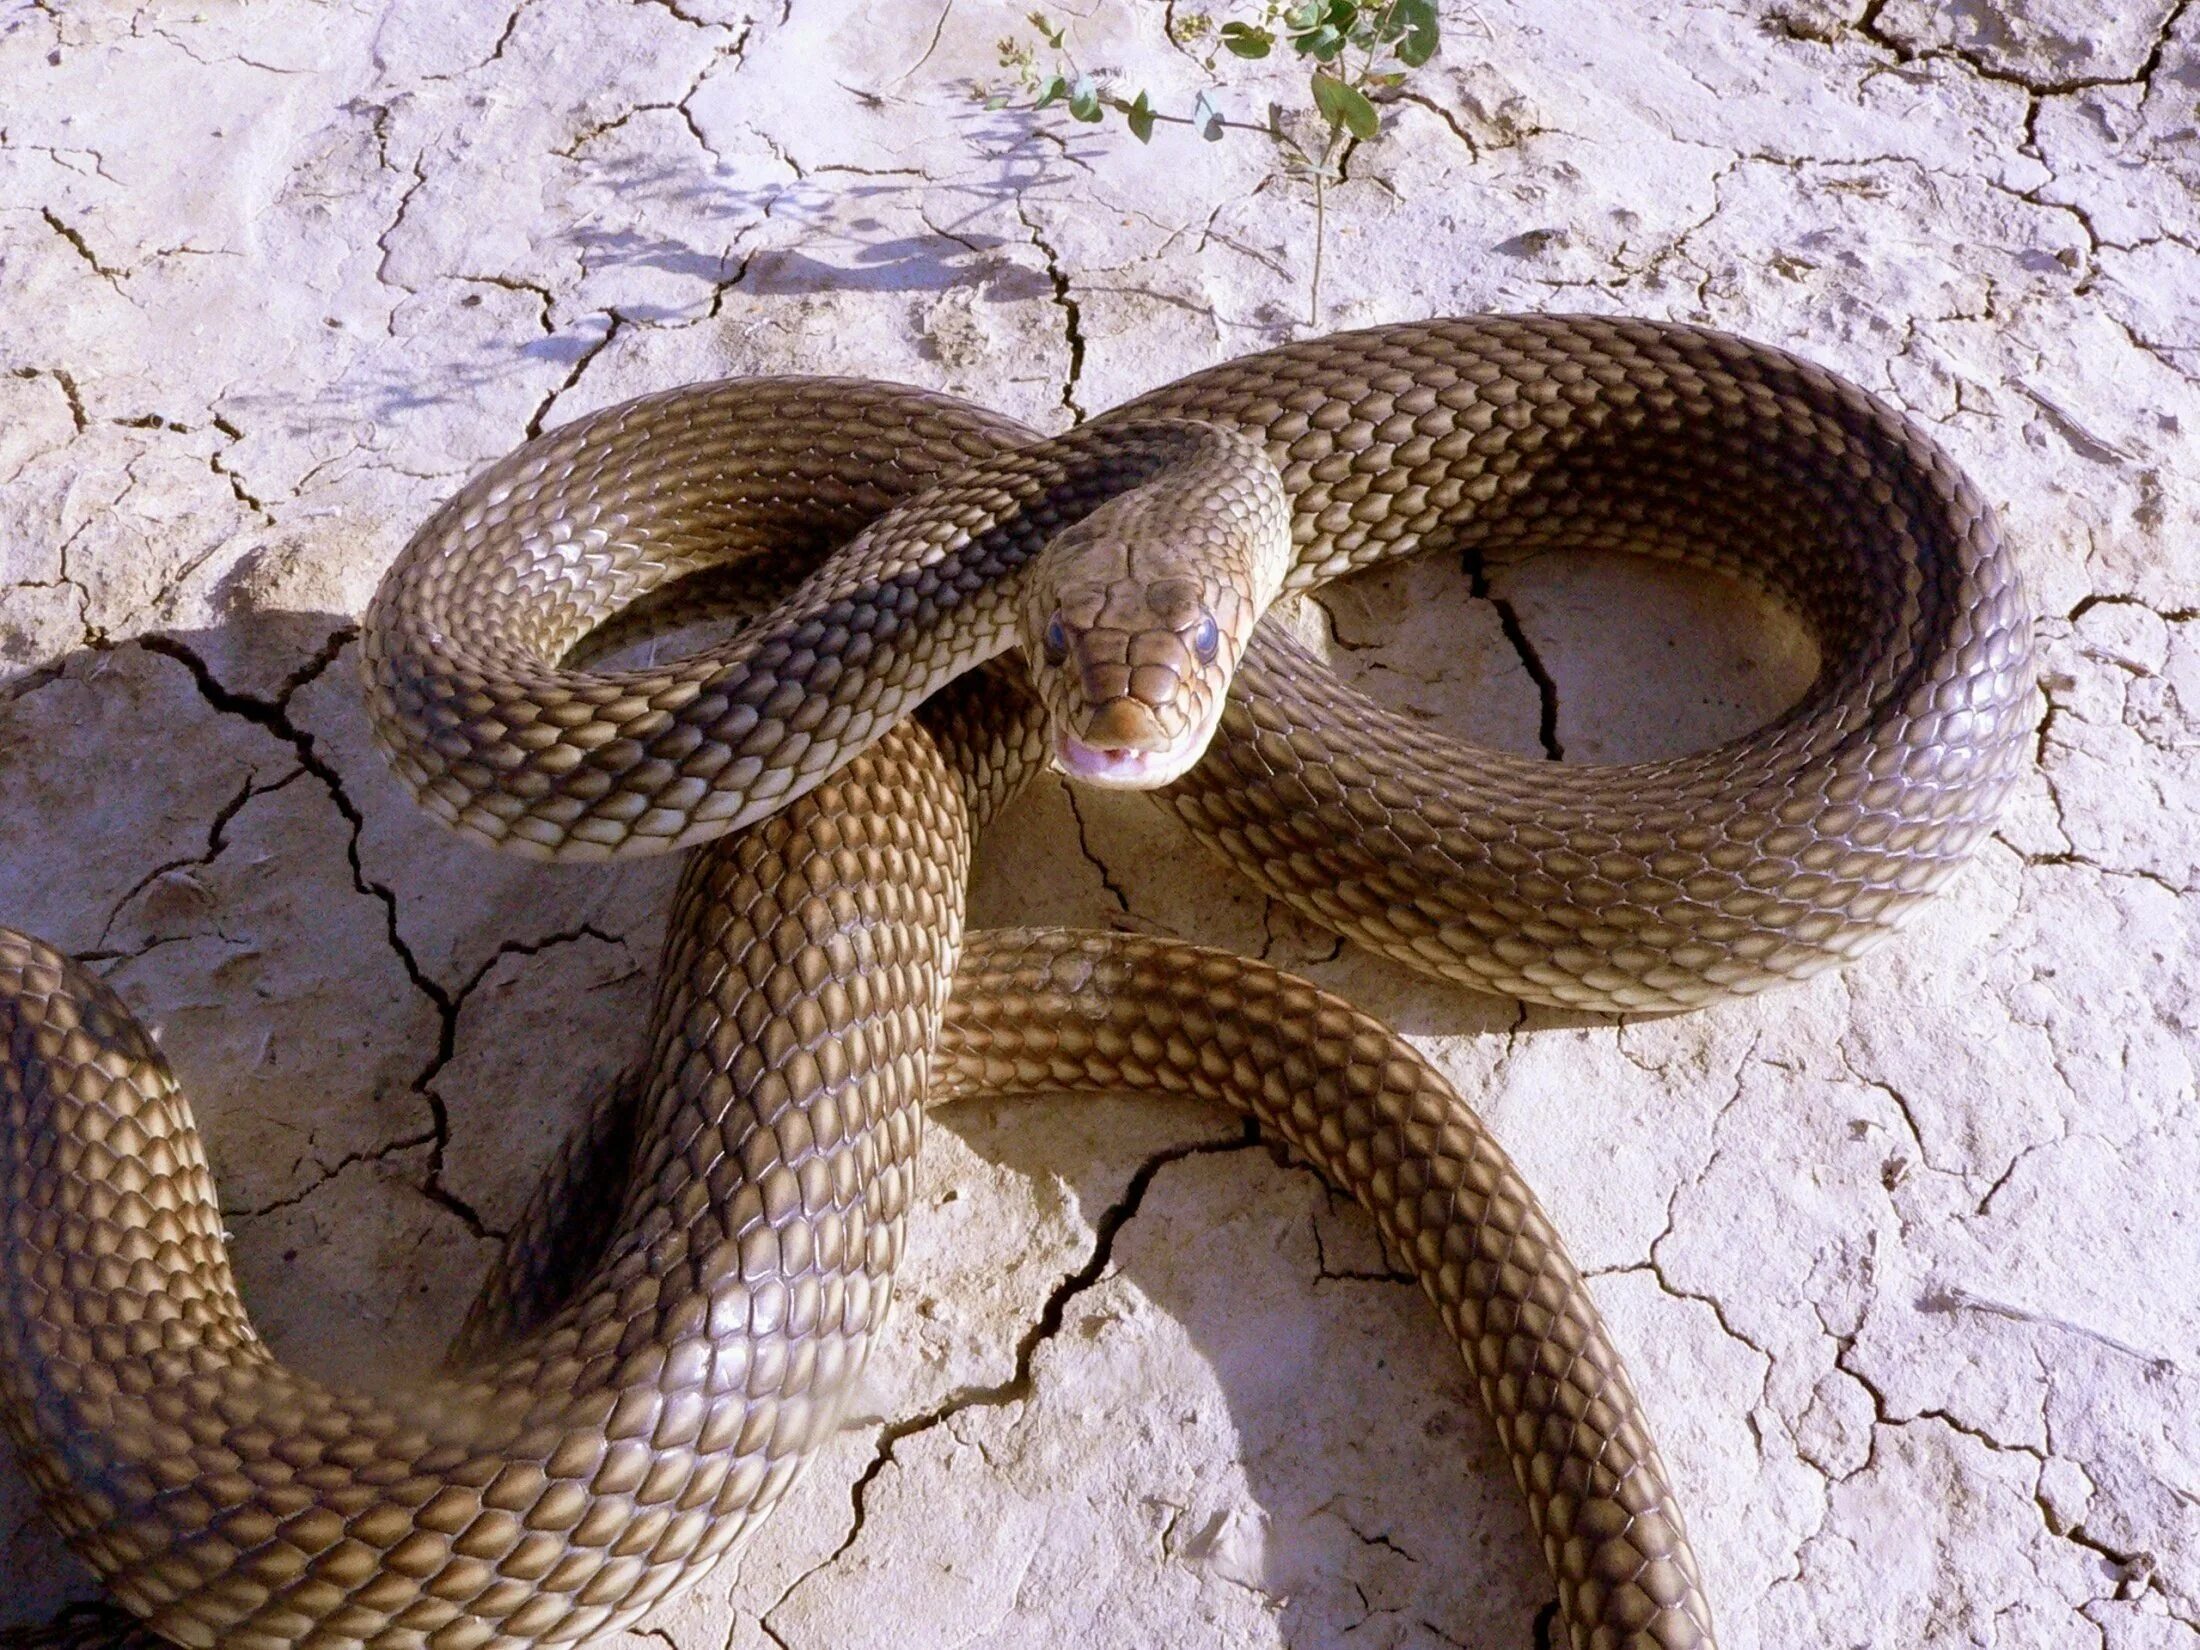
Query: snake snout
x: 1126, y: 724
x: 1122, y: 746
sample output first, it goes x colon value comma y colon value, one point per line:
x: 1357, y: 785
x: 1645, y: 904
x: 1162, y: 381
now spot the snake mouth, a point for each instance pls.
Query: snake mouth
x: 1115, y: 768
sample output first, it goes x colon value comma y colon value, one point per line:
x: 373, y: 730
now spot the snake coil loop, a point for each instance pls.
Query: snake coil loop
x: 596, y: 1445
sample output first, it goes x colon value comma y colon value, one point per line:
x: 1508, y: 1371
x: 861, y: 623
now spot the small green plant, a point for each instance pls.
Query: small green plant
x: 1357, y: 52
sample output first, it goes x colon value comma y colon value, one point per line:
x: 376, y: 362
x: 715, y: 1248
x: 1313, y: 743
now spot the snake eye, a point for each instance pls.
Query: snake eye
x: 1056, y: 640
x: 1206, y: 637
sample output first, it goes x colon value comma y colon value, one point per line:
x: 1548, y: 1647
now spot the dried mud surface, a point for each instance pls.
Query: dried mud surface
x: 1905, y: 1261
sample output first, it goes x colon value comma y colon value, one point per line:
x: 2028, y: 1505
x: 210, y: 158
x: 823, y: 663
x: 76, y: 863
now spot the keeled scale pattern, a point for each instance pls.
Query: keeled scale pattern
x: 462, y: 645
x: 1653, y: 885
x: 1130, y: 582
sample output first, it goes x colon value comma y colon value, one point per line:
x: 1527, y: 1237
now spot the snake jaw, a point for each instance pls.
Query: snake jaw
x: 1113, y: 767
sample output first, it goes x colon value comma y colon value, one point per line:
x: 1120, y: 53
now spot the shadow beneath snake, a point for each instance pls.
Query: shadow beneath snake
x: 192, y: 866
x: 1240, y: 1373
x: 237, y: 797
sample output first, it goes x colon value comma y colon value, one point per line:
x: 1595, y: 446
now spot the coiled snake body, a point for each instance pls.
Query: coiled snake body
x: 596, y: 1445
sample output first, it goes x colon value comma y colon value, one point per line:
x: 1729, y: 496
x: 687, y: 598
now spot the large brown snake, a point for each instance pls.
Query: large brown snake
x: 589, y: 1453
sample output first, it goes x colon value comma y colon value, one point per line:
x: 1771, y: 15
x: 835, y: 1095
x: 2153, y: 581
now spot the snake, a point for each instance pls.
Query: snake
x: 653, y: 1364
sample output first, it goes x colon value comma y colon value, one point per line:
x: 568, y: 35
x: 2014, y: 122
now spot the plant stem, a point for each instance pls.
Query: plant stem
x: 1321, y: 170
x: 1321, y: 235
x: 1122, y: 106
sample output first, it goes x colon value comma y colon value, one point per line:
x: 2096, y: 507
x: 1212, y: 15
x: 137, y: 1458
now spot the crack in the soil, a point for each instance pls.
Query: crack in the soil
x: 2135, y: 1569
x: 273, y: 715
x: 330, y: 1172
x: 2071, y: 857
x: 511, y: 24
x: 1073, y: 324
x: 69, y: 392
x: 431, y: 1184
x: 939, y: 29
x: 689, y: 18
x: 23, y: 686
x: 544, y: 316
x: 1901, y: 1103
x: 438, y: 1138
x: 2036, y: 91
x: 2125, y: 598
x: 1333, y: 1507
x: 243, y: 494
x: 217, y: 842
x: 1421, y: 100
x: 1883, y: 1415
x: 1018, y: 1386
x: 397, y: 218
x: 1655, y: 1267
x: 1084, y: 846
x: 69, y: 233
x: 613, y: 321
x: 1346, y: 1274
x: 1508, y: 621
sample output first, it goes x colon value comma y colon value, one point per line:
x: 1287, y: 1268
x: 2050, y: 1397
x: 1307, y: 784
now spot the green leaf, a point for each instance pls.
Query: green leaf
x: 1054, y: 36
x: 996, y: 100
x: 1140, y: 116
x: 1051, y: 90
x: 1084, y: 100
x: 1420, y: 41
x: 1243, y: 40
x: 1345, y: 106
x: 1322, y: 44
x: 1206, y: 118
x: 1308, y: 16
x: 1321, y: 39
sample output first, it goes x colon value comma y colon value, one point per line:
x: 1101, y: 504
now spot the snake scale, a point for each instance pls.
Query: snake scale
x: 652, y: 1366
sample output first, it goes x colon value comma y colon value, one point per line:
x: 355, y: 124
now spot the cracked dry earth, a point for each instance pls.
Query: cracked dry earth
x: 1905, y: 1261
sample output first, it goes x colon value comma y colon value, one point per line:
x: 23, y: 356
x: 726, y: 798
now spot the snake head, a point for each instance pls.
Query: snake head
x: 1134, y: 675
x: 1134, y: 680
x: 1136, y: 613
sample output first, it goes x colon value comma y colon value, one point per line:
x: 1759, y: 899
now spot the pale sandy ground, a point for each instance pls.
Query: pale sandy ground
x: 1907, y: 1262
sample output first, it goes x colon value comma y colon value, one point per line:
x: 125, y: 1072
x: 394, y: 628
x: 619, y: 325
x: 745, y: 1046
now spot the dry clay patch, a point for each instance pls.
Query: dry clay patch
x: 1896, y: 1256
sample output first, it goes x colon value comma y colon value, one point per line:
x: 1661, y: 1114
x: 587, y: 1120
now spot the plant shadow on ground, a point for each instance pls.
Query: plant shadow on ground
x: 665, y: 244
